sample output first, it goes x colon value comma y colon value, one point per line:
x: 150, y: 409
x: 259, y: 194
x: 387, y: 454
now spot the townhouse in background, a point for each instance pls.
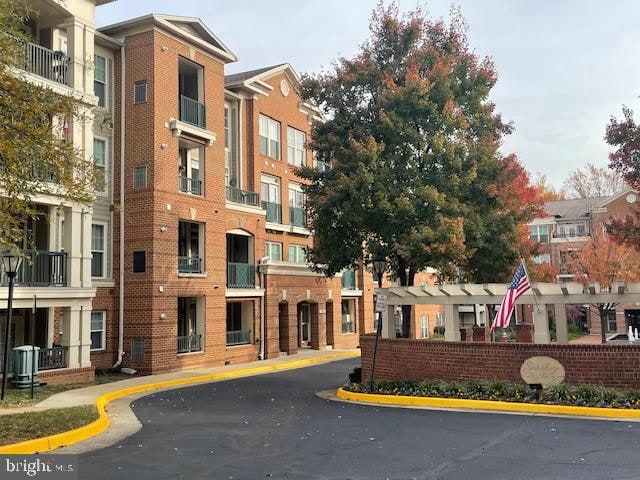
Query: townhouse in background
x: 55, y: 285
x: 566, y: 228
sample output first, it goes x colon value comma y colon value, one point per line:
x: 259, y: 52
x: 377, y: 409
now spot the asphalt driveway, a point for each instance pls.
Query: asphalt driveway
x: 275, y: 427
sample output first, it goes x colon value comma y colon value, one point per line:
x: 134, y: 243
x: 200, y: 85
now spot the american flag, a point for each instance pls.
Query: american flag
x: 519, y: 285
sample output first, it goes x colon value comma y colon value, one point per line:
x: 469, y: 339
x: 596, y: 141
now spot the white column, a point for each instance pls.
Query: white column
x: 80, y: 43
x: 73, y: 238
x: 388, y: 323
x: 71, y: 335
x: 562, y: 334
x: 51, y: 318
x: 451, y: 323
x: 540, y: 324
x: 85, y: 247
x: 84, y: 348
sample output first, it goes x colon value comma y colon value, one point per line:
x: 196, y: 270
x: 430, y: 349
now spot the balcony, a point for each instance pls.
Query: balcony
x: 190, y: 343
x: 192, y: 112
x: 244, y: 197
x: 239, y: 337
x: 189, y: 265
x: 579, y: 234
x: 40, y: 268
x: 274, y: 212
x: 45, y: 63
x: 349, y: 280
x: 241, y: 275
x: 52, y: 358
x: 297, y: 217
x: 190, y: 185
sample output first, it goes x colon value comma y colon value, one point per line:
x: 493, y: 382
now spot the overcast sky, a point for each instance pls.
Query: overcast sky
x: 564, y: 66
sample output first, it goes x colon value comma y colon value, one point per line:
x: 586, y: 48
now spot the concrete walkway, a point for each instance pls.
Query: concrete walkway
x: 88, y: 395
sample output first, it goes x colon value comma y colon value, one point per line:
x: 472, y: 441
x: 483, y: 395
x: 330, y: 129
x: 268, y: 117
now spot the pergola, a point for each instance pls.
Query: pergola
x: 557, y: 294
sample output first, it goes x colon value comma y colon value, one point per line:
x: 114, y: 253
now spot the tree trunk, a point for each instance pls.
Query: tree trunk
x: 603, y: 324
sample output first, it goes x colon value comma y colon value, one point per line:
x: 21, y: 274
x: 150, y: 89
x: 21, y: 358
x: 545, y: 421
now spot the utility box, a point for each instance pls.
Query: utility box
x: 23, y: 357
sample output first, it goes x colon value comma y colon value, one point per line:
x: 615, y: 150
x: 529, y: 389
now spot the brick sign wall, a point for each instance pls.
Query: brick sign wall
x: 406, y: 359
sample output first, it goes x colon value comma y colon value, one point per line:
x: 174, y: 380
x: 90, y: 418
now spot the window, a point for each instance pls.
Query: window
x: 190, y: 238
x: 570, y: 230
x: 270, y: 194
x: 612, y: 325
x: 140, y: 91
x: 320, y: 165
x: 140, y: 176
x: 97, y: 251
x: 269, y: 137
x: 296, y: 205
x: 542, y: 258
x: 273, y: 250
x: 295, y: 147
x: 98, y: 330
x: 348, y: 309
x: 139, y: 262
x: 424, y: 326
x: 190, y: 169
x: 100, y: 80
x: 539, y: 233
x: 297, y: 254
x: 99, y: 162
x: 231, y: 166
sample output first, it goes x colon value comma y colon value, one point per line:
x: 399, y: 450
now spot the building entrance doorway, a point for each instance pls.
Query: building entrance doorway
x: 304, y: 325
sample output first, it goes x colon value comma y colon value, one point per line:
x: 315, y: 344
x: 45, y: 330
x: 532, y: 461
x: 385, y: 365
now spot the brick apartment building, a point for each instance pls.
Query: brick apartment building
x: 192, y: 253
x: 210, y: 267
x: 566, y: 227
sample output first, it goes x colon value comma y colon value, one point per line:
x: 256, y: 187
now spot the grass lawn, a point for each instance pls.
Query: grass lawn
x: 26, y: 426
x: 22, y: 398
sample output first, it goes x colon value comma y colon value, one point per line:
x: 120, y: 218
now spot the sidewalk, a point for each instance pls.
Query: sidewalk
x: 89, y: 395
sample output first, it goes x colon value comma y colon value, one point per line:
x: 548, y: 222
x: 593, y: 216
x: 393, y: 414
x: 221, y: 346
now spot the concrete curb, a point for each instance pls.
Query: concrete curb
x: 491, y: 406
x: 70, y: 437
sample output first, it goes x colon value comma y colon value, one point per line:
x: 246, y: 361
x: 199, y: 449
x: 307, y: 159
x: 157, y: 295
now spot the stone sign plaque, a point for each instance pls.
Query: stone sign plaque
x: 545, y: 371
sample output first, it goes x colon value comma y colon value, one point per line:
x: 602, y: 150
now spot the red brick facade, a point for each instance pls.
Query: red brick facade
x: 152, y: 214
x: 405, y: 359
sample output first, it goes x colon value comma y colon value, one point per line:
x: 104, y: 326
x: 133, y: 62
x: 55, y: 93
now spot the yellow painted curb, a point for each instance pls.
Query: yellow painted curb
x: 459, y: 403
x: 70, y: 437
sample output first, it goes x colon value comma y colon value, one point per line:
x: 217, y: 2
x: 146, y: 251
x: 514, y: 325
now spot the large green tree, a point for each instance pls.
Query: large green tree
x: 36, y: 156
x: 413, y: 141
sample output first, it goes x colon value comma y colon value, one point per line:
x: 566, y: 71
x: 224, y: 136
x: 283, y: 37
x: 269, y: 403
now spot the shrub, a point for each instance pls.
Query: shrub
x: 356, y: 375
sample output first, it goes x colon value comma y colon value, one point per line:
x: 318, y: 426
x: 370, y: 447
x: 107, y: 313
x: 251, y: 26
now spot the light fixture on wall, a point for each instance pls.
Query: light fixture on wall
x: 163, y: 316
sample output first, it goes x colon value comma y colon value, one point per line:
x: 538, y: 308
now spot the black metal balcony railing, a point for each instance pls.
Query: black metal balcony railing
x: 192, y: 111
x: 239, y: 337
x: 241, y: 275
x: 190, y: 343
x: 245, y: 197
x: 297, y: 217
x: 349, y: 280
x: 274, y: 212
x: 583, y: 233
x: 45, y: 63
x: 40, y: 268
x: 50, y: 358
x: 189, y: 185
x: 189, y: 264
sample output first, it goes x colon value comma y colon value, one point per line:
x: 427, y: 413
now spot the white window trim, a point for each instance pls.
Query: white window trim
x: 295, y: 148
x: 268, y: 249
x: 106, y: 78
x: 269, y: 153
x: 104, y: 248
x: 105, y: 192
x: 103, y: 339
x: 272, y: 180
x: 300, y: 249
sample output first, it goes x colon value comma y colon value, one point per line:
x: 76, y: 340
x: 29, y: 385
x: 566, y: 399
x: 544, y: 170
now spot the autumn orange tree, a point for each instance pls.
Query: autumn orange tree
x: 604, y: 260
x: 36, y: 157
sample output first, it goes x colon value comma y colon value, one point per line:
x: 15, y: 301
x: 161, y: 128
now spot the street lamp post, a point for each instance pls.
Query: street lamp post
x: 379, y: 266
x: 10, y: 264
